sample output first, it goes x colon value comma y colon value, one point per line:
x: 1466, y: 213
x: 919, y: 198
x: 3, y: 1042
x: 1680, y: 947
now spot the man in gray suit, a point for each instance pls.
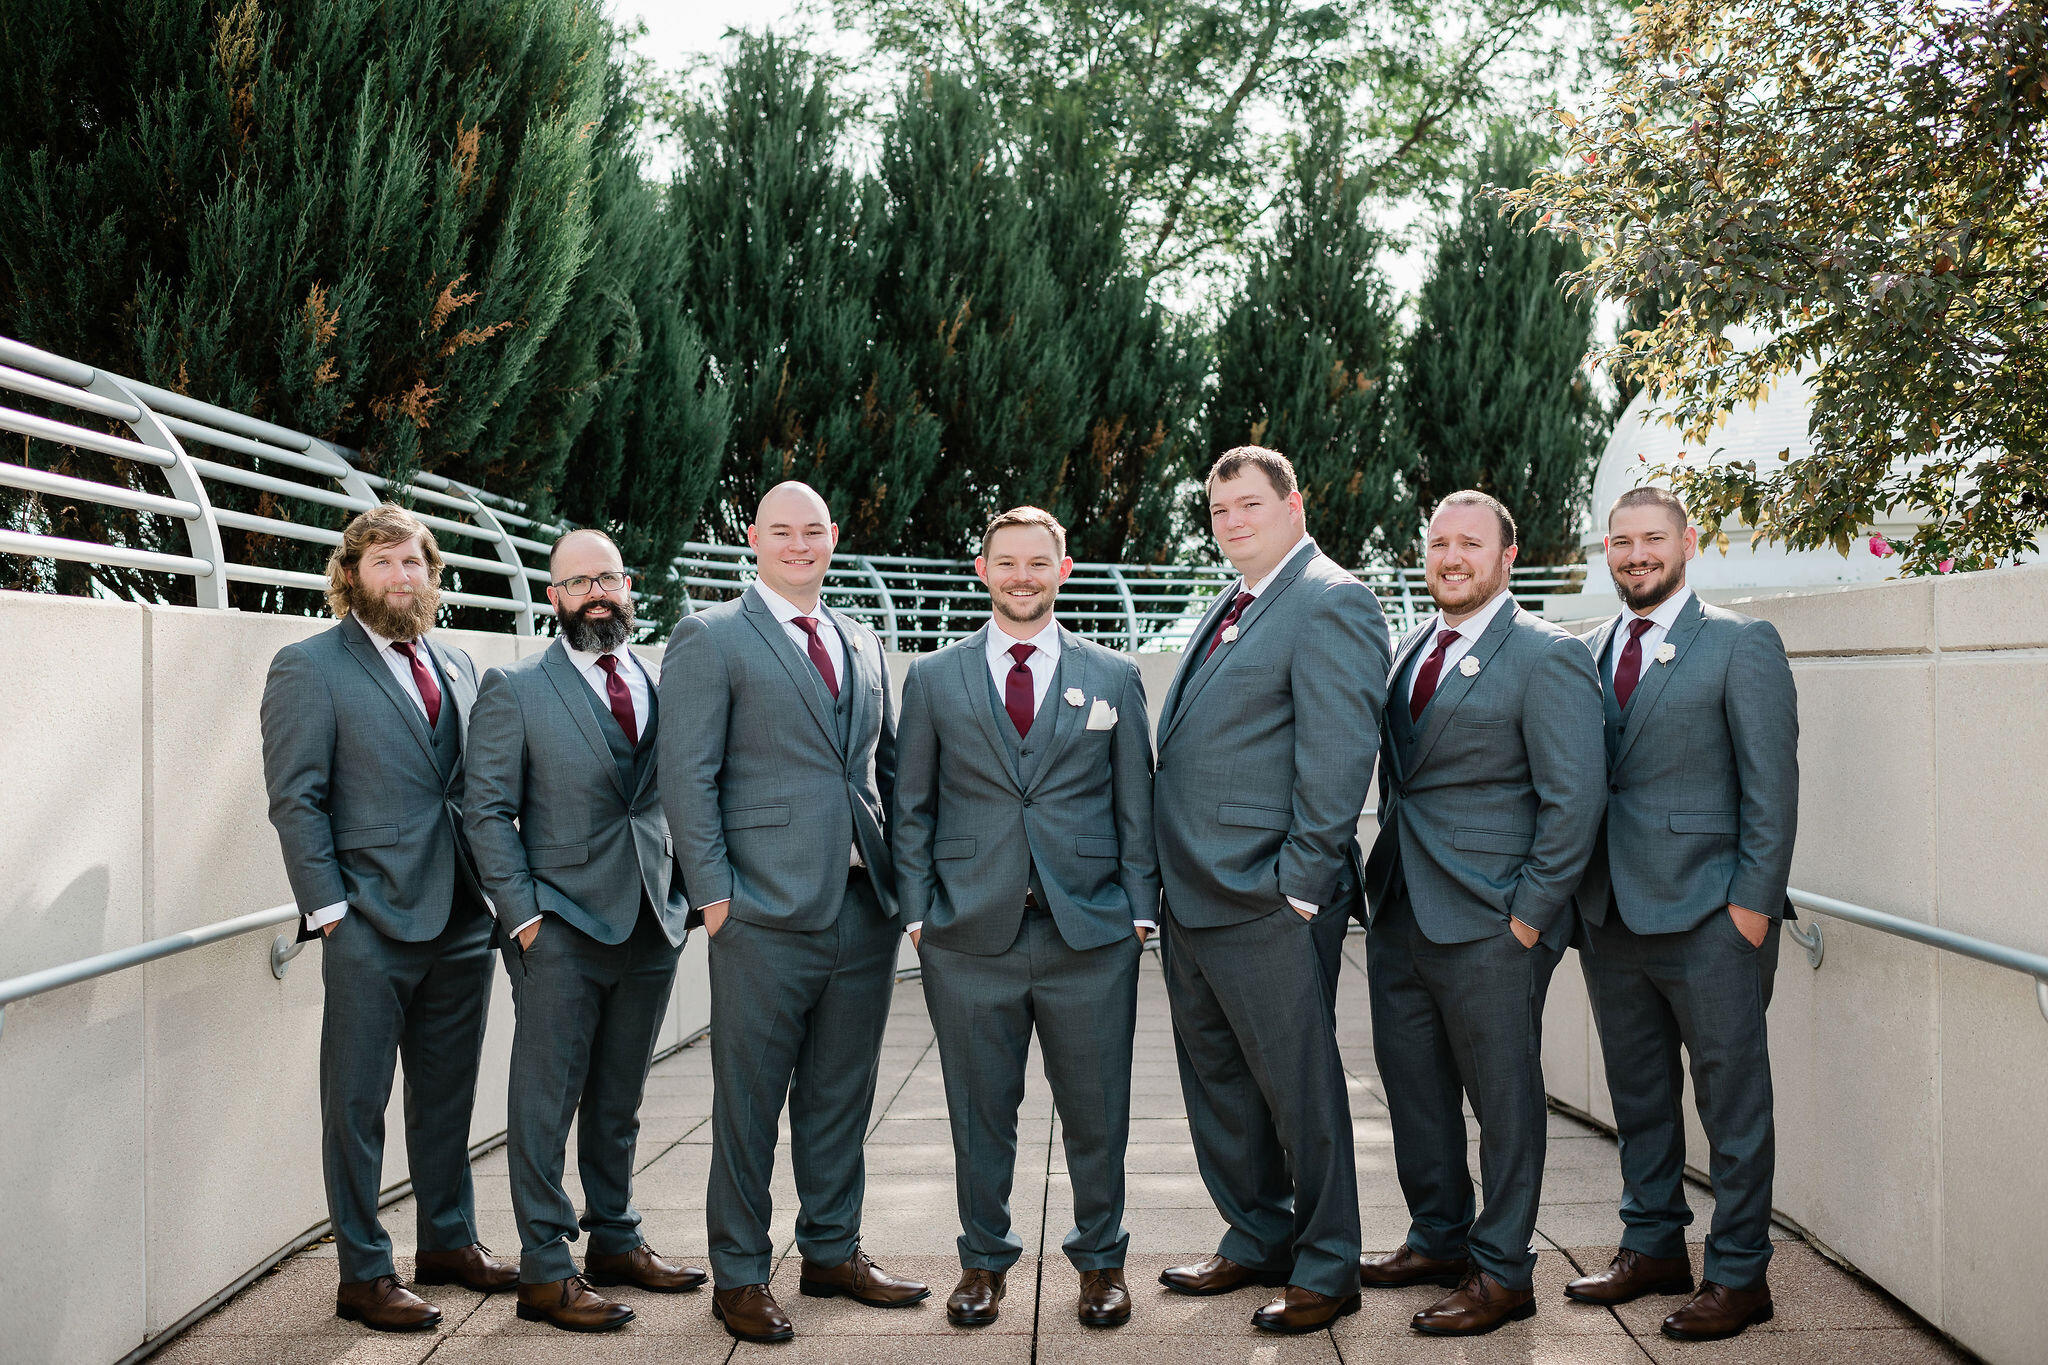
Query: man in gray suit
x: 564, y: 812
x: 1266, y: 744
x: 1024, y: 865
x: 1492, y: 785
x: 777, y: 759
x: 363, y: 730
x: 1683, y: 902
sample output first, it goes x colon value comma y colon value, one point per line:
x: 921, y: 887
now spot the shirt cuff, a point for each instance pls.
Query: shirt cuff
x: 1303, y: 905
x: 524, y: 927
x: 913, y: 927
x: 326, y: 915
x: 1145, y: 924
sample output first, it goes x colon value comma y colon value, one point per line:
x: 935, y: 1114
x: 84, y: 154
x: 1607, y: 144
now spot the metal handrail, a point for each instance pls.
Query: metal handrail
x: 85, y: 969
x: 1948, y: 940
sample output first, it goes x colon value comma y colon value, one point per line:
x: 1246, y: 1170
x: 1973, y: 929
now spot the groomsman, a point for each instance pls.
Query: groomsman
x: 564, y: 811
x: 1024, y: 863
x: 1492, y: 785
x: 1266, y: 744
x: 363, y: 728
x: 777, y: 762
x: 1683, y: 902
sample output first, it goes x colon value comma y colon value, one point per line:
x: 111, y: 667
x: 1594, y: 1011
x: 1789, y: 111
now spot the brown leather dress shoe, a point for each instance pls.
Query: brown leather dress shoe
x: 1475, y: 1308
x: 1217, y: 1275
x: 571, y: 1305
x: 1398, y: 1269
x: 384, y: 1305
x: 974, y: 1301
x: 751, y: 1313
x: 1105, y: 1298
x: 1631, y: 1275
x: 860, y: 1279
x: 1301, y: 1310
x: 473, y: 1267
x: 643, y: 1266
x: 1718, y: 1311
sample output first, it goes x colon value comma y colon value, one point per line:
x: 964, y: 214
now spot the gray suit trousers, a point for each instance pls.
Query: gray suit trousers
x: 796, y: 1013
x: 588, y: 1013
x: 1254, y: 1027
x: 426, y: 1002
x: 1450, y: 1021
x: 1706, y: 989
x: 1085, y: 1007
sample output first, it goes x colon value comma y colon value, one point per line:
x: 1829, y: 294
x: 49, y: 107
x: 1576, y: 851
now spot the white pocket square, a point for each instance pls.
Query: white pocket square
x: 1102, y: 716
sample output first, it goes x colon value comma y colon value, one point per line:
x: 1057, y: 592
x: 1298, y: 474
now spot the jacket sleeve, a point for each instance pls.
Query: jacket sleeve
x: 1561, y: 733
x: 696, y: 704
x: 914, y: 806
x: 297, y: 719
x: 1339, y: 677
x: 494, y: 792
x: 886, y: 757
x: 1762, y: 708
x: 1131, y: 794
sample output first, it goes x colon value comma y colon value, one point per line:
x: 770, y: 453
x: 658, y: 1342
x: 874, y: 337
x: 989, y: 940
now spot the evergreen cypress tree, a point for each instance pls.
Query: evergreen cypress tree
x: 1497, y: 394
x: 1304, y: 360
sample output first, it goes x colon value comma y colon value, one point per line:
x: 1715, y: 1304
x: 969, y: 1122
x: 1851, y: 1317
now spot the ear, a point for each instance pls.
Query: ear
x: 753, y: 536
x: 1066, y: 567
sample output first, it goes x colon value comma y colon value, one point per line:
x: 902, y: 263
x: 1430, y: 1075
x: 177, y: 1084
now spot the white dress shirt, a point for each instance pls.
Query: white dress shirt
x: 1468, y: 636
x: 1661, y: 619
x: 786, y: 612
x: 1255, y: 589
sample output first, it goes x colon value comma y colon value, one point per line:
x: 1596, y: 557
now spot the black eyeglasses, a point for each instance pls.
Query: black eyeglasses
x: 581, y: 583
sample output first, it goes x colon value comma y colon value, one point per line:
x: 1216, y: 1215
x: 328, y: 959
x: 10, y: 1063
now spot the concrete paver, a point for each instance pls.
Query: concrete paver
x: 1825, y: 1314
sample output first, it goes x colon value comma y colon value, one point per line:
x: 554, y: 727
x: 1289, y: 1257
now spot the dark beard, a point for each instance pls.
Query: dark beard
x: 1653, y: 592
x: 397, y: 623
x: 597, y: 635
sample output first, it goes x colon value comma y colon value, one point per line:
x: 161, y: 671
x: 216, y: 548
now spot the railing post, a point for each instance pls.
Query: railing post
x: 867, y: 566
x: 203, y: 534
x: 1116, y: 574
x: 522, y: 591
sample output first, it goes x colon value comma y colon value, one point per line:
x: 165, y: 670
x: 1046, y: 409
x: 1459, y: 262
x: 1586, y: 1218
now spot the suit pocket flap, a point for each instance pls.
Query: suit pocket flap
x: 1257, y: 817
x: 1492, y: 841
x: 1090, y: 846
x: 365, y: 836
x: 952, y: 848
x: 753, y: 817
x: 1703, y: 822
x: 558, y: 855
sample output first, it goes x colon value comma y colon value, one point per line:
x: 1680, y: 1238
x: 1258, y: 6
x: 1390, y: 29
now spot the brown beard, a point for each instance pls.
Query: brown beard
x: 396, y: 623
x: 1653, y: 593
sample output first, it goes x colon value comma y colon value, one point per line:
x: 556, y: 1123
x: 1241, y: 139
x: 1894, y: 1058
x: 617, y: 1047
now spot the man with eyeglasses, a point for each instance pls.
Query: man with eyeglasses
x: 564, y: 811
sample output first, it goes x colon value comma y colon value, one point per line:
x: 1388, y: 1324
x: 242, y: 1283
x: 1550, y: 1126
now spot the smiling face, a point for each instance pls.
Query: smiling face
x: 793, y: 536
x: 1647, y: 546
x: 1466, y: 561
x: 600, y: 619
x: 396, y: 596
x: 1023, y: 568
x: 1254, y: 524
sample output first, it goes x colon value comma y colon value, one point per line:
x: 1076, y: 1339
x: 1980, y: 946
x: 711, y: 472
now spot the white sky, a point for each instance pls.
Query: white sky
x: 678, y: 29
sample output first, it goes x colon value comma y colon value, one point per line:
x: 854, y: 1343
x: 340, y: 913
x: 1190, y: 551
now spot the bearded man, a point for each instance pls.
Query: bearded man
x: 363, y: 733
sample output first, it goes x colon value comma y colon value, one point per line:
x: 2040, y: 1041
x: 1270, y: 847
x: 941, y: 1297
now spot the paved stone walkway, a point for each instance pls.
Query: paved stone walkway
x: 1824, y: 1314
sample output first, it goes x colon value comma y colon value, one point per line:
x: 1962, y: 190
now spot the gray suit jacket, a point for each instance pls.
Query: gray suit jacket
x: 362, y: 811
x: 1703, y: 778
x: 554, y: 829
x: 764, y: 801
x: 967, y: 830
x: 1491, y: 807
x: 1266, y: 749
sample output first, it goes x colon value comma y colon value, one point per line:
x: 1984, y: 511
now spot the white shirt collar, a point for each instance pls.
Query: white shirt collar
x: 585, y: 662
x: 786, y: 610
x: 1665, y: 614
x: 1475, y: 625
x: 383, y: 642
x: 1047, y: 640
x: 1256, y: 588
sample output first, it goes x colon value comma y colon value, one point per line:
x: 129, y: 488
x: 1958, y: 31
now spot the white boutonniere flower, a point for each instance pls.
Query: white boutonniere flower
x: 1666, y: 653
x: 1073, y: 696
x: 853, y: 641
x: 1229, y: 634
x: 1469, y: 666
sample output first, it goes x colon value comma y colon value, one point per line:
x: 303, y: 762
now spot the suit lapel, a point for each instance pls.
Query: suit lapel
x: 1283, y: 579
x: 454, y: 687
x: 653, y: 675
x: 1655, y: 675
x: 1191, y: 658
x: 974, y: 681
x: 799, y: 667
x: 856, y: 672
x: 1403, y: 753
x: 1073, y: 672
x: 365, y: 651
x: 571, y: 688
x: 1451, y: 691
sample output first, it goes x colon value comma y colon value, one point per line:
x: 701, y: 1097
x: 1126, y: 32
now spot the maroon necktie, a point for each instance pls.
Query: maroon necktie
x: 423, y: 679
x: 1017, y: 689
x: 816, y: 649
x: 620, y: 699
x: 1628, y: 669
x: 1244, y: 599
x: 1426, y: 676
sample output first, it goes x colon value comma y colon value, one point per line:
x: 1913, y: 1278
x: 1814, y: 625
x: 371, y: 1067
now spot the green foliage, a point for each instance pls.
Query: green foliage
x: 1304, y: 363
x: 1850, y: 191
x: 1496, y: 395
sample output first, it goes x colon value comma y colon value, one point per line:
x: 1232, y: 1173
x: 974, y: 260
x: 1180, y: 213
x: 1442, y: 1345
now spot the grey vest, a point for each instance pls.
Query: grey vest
x: 1029, y: 752
x: 633, y: 761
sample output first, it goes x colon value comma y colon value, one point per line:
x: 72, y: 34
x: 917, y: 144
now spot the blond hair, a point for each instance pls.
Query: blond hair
x: 385, y: 524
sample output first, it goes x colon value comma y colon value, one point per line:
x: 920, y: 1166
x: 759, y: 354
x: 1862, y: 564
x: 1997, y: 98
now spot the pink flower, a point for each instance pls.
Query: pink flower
x: 1880, y: 547
x: 1945, y: 566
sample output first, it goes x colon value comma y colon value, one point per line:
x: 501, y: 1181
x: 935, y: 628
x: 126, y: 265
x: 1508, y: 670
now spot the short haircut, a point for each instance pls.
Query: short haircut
x: 581, y: 531
x: 1650, y: 495
x: 1472, y: 497
x: 1025, y: 516
x: 385, y: 524
x: 1233, y: 462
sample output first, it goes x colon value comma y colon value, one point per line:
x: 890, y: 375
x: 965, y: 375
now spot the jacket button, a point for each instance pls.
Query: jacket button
x: 1614, y: 786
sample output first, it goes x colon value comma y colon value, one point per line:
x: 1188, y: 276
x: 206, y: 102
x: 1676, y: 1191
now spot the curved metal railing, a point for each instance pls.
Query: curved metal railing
x: 1948, y: 940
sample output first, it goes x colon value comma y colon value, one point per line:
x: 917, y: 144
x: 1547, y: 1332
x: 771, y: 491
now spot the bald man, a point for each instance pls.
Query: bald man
x: 778, y: 753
